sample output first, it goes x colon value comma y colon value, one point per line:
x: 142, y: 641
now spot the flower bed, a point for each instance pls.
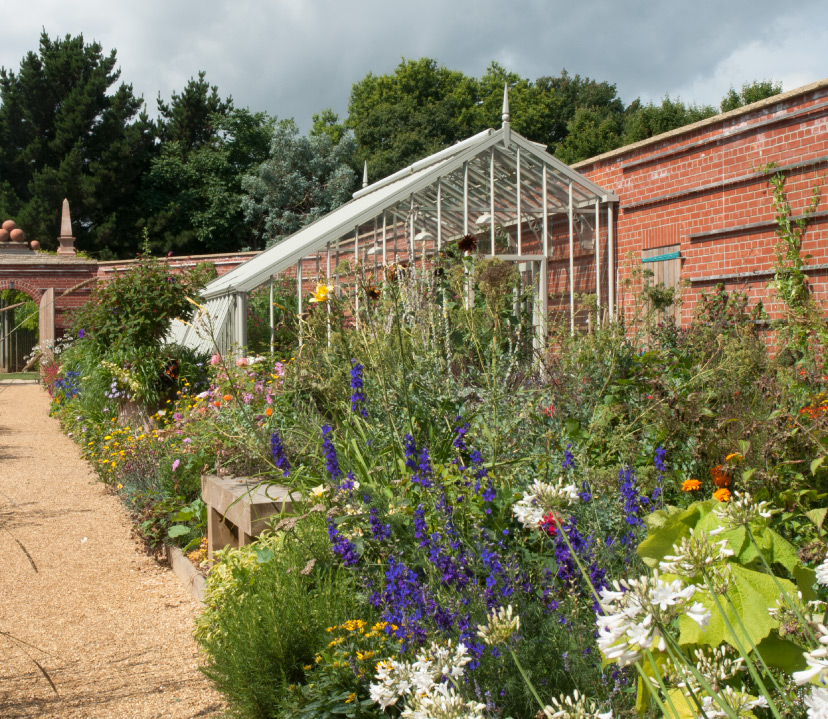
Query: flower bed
x: 620, y: 530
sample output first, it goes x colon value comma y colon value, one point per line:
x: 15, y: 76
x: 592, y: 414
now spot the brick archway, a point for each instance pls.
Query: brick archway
x: 22, y: 286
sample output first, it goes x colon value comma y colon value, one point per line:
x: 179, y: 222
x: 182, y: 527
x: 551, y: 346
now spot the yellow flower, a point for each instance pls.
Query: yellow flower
x: 733, y: 455
x: 690, y: 485
x: 351, y: 697
x: 320, y: 294
x: 319, y: 491
x: 120, y: 486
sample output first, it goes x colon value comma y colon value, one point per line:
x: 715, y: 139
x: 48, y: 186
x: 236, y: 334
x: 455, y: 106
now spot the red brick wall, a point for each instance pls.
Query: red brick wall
x: 700, y: 187
x: 35, y: 278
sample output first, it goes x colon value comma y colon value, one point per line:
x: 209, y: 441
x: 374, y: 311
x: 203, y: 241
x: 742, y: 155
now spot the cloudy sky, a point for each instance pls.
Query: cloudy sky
x: 292, y: 58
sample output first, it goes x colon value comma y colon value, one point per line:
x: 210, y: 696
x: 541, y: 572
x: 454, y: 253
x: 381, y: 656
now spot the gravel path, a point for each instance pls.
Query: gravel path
x: 111, y: 626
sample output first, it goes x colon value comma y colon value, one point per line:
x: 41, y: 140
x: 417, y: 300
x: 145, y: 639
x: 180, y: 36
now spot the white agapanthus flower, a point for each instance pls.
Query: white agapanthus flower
x: 817, y: 703
x: 633, y: 612
x: 740, y: 703
x: 499, y: 627
x: 817, y: 661
x: 695, y: 554
x: 741, y: 510
x: 822, y: 573
x: 425, y: 683
x: 540, y: 499
x: 575, y: 706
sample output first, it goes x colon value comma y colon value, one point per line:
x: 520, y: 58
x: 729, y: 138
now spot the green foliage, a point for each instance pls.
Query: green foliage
x: 134, y: 309
x: 750, y: 92
x: 644, y: 121
x: 803, y: 317
x: 266, y: 619
x: 302, y: 179
x: 26, y: 316
x: 66, y: 130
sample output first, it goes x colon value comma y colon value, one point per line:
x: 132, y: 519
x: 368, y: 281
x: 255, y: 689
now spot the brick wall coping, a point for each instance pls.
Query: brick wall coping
x: 44, y: 259
x: 707, y: 122
x: 181, y: 260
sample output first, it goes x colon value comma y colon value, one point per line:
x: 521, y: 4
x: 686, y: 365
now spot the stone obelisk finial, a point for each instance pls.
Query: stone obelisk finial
x: 506, y: 117
x: 365, y: 175
x: 66, y: 240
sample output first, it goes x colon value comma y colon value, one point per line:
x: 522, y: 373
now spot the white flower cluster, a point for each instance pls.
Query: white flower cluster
x: 740, y: 703
x: 695, y: 554
x: 427, y: 684
x: 499, y: 627
x: 817, y: 703
x: 542, y: 498
x: 822, y: 573
x: 634, y: 612
x: 576, y: 706
x: 741, y: 510
x: 817, y: 661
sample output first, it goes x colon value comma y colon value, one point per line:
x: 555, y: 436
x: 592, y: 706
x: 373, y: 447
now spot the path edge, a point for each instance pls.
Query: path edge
x: 186, y: 573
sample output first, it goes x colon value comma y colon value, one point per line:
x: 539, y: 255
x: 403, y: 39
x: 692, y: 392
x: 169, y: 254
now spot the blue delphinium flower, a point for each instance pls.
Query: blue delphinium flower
x: 569, y: 459
x: 357, y: 396
x: 278, y: 453
x: 460, y: 440
x: 342, y: 546
x: 420, y: 529
x: 331, y: 461
x: 423, y: 474
x: 379, y: 531
x: 632, y: 504
x: 410, y: 449
x: 347, y: 484
x: 661, y: 466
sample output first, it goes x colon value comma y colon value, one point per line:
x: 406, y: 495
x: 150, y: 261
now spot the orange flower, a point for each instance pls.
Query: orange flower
x: 217, y: 403
x: 690, y: 485
x: 735, y: 456
x: 269, y: 411
x: 723, y: 494
x: 228, y: 397
x: 720, y: 476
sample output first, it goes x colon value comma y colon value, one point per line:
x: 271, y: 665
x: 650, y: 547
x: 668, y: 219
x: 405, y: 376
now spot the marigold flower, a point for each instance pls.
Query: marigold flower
x: 720, y: 476
x: 228, y: 397
x: 723, y: 494
x: 269, y: 411
x: 734, y: 456
x: 690, y: 485
x: 217, y: 403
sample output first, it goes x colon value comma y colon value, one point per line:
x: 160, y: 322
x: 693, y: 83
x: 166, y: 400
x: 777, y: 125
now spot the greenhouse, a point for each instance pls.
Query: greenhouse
x: 510, y: 197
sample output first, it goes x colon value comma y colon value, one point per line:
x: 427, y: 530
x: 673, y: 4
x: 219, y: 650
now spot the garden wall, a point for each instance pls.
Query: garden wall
x: 699, y: 191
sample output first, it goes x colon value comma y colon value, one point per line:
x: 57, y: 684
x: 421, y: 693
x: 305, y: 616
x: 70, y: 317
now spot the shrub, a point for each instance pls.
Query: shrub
x: 268, y: 607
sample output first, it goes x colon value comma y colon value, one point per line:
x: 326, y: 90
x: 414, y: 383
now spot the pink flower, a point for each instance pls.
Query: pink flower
x: 241, y: 362
x: 215, y: 359
x: 269, y: 399
x: 279, y: 369
x: 175, y: 464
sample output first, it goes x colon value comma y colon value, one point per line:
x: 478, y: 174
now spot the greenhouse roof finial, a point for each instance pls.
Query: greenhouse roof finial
x: 365, y: 175
x: 506, y: 117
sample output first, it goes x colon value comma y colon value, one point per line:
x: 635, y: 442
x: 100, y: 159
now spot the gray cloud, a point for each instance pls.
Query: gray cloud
x: 294, y: 58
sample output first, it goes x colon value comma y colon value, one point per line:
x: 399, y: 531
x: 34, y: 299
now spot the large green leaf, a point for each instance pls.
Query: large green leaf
x: 666, y: 529
x: 751, y: 595
x: 781, y: 653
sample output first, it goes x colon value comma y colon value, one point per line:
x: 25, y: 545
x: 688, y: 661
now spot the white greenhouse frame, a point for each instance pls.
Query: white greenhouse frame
x: 495, y: 174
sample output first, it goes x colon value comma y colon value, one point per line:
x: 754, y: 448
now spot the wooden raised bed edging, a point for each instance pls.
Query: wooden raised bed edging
x: 183, y: 569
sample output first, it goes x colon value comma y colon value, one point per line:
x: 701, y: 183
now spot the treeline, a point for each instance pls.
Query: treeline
x: 206, y: 176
